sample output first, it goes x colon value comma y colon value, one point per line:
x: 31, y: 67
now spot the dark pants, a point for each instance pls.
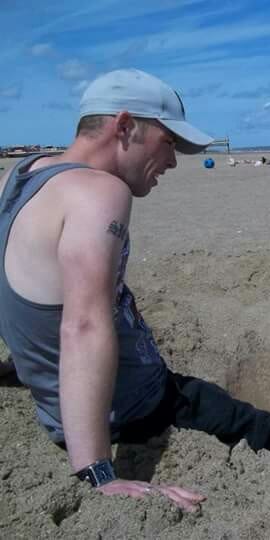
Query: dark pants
x: 192, y: 403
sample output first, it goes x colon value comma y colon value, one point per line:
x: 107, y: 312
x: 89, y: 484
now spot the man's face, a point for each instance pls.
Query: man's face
x: 150, y: 153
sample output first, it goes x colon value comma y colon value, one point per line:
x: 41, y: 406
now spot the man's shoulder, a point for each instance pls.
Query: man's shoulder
x: 86, y: 181
x: 81, y: 171
x: 76, y: 174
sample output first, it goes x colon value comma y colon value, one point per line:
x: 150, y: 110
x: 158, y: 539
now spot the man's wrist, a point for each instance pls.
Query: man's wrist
x: 99, y: 473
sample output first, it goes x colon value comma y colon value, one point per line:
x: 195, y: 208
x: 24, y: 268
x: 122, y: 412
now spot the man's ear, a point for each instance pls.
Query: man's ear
x: 124, y: 125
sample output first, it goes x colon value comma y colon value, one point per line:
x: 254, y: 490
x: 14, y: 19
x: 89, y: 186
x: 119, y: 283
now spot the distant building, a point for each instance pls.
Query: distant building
x: 25, y: 150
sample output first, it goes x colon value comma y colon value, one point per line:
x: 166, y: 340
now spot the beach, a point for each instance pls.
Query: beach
x: 200, y: 270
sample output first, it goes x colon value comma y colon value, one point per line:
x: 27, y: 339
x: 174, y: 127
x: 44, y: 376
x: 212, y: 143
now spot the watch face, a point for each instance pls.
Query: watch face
x: 103, y: 472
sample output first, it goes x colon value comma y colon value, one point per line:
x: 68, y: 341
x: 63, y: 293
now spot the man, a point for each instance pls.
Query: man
x: 69, y: 320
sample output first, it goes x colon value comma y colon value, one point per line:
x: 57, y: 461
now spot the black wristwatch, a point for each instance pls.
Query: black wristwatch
x: 97, y: 474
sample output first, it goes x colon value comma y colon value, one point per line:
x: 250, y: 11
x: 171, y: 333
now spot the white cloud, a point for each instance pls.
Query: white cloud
x: 59, y: 105
x: 11, y: 92
x: 199, y: 91
x: 107, y: 11
x: 267, y: 106
x: 259, y: 91
x: 73, y: 70
x: 79, y: 88
x: 41, y: 49
x: 4, y: 108
x: 257, y: 120
x: 179, y: 43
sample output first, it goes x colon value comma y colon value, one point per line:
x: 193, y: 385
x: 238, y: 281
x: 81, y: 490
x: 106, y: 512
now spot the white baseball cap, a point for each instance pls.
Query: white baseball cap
x: 144, y: 96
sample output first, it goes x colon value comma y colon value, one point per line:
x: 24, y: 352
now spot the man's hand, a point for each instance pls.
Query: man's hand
x: 185, y: 499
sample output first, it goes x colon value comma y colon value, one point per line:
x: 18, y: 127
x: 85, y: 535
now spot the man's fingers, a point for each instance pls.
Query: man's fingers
x: 186, y: 500
x: 185, y: 493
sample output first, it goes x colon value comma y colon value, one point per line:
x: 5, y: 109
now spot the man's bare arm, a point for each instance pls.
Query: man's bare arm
x: 89, y: 254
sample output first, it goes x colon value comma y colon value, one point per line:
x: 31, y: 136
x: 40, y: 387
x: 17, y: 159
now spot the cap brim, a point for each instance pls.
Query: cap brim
x: 190, y: 140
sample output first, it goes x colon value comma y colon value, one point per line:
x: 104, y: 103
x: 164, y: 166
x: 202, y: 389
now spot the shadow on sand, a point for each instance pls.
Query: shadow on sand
x: 138, y: 461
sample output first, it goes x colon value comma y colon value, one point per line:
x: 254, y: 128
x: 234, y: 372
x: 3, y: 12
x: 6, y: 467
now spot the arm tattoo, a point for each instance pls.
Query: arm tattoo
x: 118, y: 229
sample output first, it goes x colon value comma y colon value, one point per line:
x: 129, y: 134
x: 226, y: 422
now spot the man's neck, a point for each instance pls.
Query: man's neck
x: 91, y: 152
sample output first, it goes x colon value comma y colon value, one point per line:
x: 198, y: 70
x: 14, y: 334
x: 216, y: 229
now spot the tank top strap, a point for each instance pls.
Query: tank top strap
x: 23, y: 184
x: 21, y: 164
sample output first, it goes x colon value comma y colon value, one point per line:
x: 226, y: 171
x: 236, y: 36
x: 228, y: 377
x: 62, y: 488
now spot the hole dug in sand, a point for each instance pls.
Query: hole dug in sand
x: 63, y: 511
x: 249, y: 379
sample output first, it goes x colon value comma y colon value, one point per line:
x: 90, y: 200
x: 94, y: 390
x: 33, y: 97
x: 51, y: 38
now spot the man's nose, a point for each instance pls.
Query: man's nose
x: 172, y: 162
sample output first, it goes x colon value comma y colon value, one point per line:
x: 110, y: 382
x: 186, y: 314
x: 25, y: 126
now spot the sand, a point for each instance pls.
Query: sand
x: 200, y: 268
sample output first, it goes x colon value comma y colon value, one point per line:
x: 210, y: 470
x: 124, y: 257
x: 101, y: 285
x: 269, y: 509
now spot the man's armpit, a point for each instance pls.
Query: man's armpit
x: 117, y: 229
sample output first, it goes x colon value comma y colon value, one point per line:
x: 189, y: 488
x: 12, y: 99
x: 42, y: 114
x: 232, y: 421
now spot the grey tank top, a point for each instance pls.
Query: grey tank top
x: 32, y: 330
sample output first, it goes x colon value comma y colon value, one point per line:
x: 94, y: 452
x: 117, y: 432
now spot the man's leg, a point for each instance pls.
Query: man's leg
x: 213, y: 410
x: 141, y: 430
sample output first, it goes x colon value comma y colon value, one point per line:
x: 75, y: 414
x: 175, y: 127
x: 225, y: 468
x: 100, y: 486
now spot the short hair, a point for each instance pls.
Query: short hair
x: 91, y: 126
x: 143, y: 124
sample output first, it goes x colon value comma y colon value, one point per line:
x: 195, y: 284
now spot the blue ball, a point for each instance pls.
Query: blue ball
x: 209, y: 163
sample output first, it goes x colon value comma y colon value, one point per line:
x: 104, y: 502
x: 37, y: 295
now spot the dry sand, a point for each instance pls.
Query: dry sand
x: 200, y: 268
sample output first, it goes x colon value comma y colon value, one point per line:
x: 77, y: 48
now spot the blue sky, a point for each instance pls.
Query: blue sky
x: 215, y: 54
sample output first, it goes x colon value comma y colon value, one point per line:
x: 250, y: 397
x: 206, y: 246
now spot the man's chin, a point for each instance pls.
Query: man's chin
x: 140, y: 193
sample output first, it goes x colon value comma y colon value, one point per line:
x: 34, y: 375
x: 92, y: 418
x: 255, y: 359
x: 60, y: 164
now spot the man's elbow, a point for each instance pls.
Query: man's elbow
x: 82, y: 326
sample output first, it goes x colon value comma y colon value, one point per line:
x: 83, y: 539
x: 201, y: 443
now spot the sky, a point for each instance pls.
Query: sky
x: 215, y: 54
